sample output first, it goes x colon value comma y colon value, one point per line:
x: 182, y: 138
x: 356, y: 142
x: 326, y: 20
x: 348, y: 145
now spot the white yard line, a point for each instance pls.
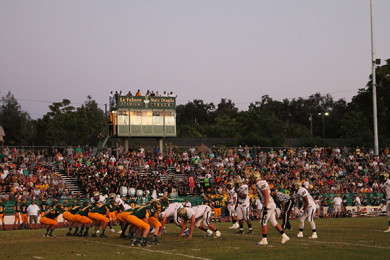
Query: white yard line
x: 143, y: 249
x: 316, y: 241
x: 348, y: 244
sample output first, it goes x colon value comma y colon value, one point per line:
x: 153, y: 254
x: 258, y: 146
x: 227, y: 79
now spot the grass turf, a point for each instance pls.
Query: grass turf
x: 352, y: 238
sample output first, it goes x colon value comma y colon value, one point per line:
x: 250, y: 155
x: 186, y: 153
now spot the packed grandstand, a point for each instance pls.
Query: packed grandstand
x: 194, y: 171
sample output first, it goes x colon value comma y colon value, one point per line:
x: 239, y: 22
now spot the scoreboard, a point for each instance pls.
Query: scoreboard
x: 143, y: 116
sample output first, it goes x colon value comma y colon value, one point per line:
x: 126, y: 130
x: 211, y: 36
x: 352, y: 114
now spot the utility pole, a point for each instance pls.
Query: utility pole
x: 374, y: 103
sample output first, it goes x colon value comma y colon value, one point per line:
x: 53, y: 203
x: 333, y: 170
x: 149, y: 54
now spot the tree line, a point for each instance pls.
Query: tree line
x: 266, y: 122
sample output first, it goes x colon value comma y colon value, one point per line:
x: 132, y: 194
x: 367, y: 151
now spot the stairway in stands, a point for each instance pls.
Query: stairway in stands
x: 71, y: 182
x: 172, y: 172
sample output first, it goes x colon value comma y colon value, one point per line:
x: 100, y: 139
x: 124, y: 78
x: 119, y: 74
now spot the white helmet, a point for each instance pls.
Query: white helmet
x: 123, y: 191
x: 140, y: 193
x: 131, y: 192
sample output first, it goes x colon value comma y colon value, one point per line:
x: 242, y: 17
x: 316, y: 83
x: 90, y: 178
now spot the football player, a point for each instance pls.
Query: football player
x: 99, y: 214
x: 138, y: 218
x: 232, y: 202
x: 198, y: 216
x: 69, y: 215
x: 81, y: 217
x: 23, y: 211
x: 170, y: 212
x: 269, y: 209
x: 243, y: 205
x: 308, y: 211
x: 112, y: 208
x: 50, y: 219
x: 217, y: 205
x: 98, y: 198
x: 386, y: 190
x: 17, y: 209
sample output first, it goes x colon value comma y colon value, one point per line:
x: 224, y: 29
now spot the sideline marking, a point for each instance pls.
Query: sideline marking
x: 143, y: 249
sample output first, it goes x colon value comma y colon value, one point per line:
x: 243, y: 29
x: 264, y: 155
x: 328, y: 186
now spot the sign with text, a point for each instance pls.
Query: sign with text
x: 146, y: 102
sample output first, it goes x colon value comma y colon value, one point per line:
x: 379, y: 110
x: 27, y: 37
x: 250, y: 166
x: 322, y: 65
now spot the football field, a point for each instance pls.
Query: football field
x: 351, y: 238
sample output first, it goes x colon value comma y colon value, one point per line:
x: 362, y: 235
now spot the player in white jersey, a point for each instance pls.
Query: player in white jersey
x: 199, y: 216
x: 232, y: 202
x: 170, y: 212
x: 386, y: 190
x: 97, y: 198
x: 309, y: 210
x: 269, y: 209
x: 243, y: 205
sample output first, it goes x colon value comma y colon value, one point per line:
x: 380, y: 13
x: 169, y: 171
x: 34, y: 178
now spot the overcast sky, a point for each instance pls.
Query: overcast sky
x: 239, y: 50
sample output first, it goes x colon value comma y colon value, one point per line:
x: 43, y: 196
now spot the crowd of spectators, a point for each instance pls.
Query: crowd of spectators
x: 30, y: 175
x: 201, y: 169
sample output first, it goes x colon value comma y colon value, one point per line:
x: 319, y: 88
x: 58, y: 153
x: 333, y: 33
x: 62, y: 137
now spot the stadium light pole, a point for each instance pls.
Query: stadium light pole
x: 374, y: 103
x: 323, y: 114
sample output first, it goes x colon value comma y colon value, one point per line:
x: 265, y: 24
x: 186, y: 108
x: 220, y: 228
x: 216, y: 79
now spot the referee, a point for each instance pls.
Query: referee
x: 286, y: 202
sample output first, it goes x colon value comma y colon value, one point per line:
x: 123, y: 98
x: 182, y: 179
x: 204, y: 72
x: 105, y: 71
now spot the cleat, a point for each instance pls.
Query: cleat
x: 250, y: 231
x: 135, y: 243
x: 156, y: 242
x: 262, y: 242
x: 185, y: 232
x: 68, y: 234
x: 44, y: 235
x: 97, y: 231
x: 240, y: 232
x: 217, y: 234
x: 103, y: 235
x: 209, y: 233
x: 119, y: 232
x: 285, y: 238
x: 387, y: 230
x: 94, y: 235
x: 300, y: 234
x: 314, y: 236
x: 235, y: 226
x: 112, y: 230
x: 144, y: 244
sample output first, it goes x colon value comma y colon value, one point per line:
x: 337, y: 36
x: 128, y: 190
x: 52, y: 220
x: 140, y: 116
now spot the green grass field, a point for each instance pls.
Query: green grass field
x: 352, y: 238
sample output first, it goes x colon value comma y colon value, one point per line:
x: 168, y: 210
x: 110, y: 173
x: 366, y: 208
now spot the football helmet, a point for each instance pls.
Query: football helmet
x: 254, y: 177
x: 96, y: 194
x: 85, y: 204
x: 297, y: 185
x: 59, y: 207
x: 238, y: 182
x: 112, y: 196
x: 384, y: 176
x: 164, y: 201
x: 156, y: 206
x: 182, y: 212
x: 230, y: 185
